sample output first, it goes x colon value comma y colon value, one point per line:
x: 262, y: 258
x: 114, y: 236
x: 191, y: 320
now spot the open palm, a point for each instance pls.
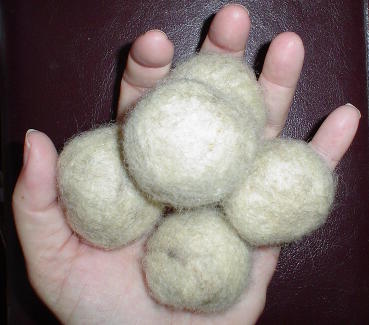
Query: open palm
x: 84, y: 285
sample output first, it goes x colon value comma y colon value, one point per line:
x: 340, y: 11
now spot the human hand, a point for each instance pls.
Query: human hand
x: 81, y: 284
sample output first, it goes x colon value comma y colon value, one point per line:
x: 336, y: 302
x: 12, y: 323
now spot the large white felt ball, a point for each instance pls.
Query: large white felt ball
x: 230, y: 76
x: 101, y: 203
x: 288, y: 194
x: 186, y: 146
x: 196, y: 261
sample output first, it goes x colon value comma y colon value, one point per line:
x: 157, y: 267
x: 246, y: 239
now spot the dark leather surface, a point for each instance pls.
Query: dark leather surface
x: 64, y: 62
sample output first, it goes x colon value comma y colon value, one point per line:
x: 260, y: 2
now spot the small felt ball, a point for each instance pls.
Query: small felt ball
x: 196, y: 261
x: 288, y: 194
x: 230, y: 76
x: 186, y: 146
x: 100, y: 202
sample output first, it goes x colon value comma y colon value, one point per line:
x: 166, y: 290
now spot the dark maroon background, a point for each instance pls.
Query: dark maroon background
x: 62, y: 61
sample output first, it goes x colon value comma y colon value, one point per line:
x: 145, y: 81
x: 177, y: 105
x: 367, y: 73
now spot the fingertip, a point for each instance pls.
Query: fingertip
x: 236, y: 5
x: 27, y: 146
x: 290, y: 40
x: 284, y: 59
x: 158, y: 33
x: 228, y: 31
x: 40, y: 148
x: 149, y: 60
x: 235, y: 11
x: 336, y: 134
x: 345, y: 120
x: 353, y: 108
x: 153, y: 49
x: 36, y: 184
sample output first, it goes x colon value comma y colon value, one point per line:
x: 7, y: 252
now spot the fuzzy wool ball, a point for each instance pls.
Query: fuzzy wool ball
x: 288, y: 194
x: 230, y: 76
x: 196, y: 261
x: 186, y: 146
x: 101, y: 203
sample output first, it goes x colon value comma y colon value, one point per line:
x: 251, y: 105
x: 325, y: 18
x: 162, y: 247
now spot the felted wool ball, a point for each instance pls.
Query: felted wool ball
x: 101, y: 203
x: 230, y: 76
x: 186, y: 146
x: 196, y: 261
x: 288, y: 193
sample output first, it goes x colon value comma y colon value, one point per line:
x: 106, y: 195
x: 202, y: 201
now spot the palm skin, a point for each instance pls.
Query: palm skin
x: 84, y: 285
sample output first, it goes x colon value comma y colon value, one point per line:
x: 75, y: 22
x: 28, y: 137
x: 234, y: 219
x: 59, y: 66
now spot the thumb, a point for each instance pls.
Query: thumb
x: 38, y: 217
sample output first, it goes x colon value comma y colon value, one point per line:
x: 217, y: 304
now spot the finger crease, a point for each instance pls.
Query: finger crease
x: 147, y: 65
x: 263, y: 77
x: 324, y: 153
x: 225, y: 48
x: 130, y: 83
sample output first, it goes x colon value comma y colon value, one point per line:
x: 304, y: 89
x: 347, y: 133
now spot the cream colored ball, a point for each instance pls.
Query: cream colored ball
x: 186, y: 146
x: 231, y: 77
x: 100, y: 202
x: 288, y: 194
x: 196, y: 261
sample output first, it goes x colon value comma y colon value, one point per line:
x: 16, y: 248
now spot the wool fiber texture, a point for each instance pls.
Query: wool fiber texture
x: 187, y: 147
x: 196, y: 261
x: 288, y: 194
x: 231, y: 78
x: 101, y: 203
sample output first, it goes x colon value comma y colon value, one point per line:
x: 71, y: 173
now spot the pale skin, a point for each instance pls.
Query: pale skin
x: 84, y: 285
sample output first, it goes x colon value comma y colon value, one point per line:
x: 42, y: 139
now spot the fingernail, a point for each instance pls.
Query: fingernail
x: 239, y: 5
x: 157, y: 30
x: 27, y: 146
x: 358, y: 112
